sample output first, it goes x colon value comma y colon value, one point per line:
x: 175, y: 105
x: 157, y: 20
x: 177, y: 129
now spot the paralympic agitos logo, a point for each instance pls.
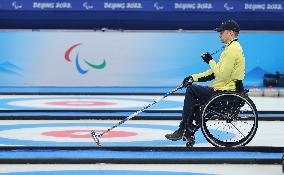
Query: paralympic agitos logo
x: 77, y: 63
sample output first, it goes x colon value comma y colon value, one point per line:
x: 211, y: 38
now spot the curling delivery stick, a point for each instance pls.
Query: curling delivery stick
x: 97, y: 135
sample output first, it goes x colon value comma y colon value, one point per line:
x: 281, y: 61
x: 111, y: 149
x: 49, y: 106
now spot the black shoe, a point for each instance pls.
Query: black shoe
x: 188, y: 135
x: 177, y: 135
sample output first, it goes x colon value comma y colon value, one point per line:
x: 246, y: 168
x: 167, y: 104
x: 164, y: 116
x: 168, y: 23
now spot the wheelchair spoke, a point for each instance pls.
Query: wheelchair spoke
x: 237, y: 129
x: 218, y: 114
x: 224, y: 129
x: 230, y: 128
x: 245, y: 122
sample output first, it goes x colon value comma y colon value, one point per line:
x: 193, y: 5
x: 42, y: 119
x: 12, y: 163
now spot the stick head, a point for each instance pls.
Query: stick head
x: 96, y: 138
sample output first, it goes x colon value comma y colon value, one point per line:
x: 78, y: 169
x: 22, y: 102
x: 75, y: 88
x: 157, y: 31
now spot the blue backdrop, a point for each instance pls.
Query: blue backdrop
x: 125, y: 59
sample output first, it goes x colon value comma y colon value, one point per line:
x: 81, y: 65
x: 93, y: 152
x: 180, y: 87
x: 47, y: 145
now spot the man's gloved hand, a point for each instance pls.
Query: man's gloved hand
x: 187, y: 81
x: 206, y: 57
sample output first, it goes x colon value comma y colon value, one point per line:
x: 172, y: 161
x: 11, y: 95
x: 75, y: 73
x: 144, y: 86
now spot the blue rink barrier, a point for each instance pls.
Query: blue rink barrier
x: 150, y: 155
x: 100, y: 172
x: 277, y: 91
x: 112, y: 115
x: 88, y: 90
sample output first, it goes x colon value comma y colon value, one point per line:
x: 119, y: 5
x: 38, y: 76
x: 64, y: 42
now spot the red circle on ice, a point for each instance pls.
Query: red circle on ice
x: 80, y: 103
x: 86, y: 133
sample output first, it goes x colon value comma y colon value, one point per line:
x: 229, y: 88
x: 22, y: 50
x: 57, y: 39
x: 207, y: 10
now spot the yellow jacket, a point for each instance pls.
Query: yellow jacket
x: 229, y: 69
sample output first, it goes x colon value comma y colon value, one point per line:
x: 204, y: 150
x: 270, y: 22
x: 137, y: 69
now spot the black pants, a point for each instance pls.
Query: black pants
x: 194, y: 95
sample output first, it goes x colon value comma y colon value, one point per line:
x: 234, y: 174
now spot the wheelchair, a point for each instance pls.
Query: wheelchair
x: 227, y: 119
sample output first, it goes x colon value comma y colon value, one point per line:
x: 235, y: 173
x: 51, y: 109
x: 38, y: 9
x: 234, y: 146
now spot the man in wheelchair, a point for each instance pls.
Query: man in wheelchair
x: 228, y: 74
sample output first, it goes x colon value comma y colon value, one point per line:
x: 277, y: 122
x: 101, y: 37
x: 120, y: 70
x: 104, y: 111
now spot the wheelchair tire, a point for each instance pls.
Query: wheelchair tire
x: 283, y: 162
x: 224, y: 117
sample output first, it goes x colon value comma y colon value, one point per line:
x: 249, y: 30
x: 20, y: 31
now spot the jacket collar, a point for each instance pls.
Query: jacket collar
x: 230, y: 42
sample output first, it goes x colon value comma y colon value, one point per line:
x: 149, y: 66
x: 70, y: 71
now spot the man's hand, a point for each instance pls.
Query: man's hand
x: 206, y: 57
x: 187, y: 81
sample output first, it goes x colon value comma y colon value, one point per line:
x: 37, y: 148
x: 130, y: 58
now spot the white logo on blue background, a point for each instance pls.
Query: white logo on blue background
x: 16, y: 5
x: 228, y: 7
x: 88, y: 6
x: 158, y: 6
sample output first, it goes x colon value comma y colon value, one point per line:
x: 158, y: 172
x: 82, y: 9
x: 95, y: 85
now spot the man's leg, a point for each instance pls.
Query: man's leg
x: 194, y: 94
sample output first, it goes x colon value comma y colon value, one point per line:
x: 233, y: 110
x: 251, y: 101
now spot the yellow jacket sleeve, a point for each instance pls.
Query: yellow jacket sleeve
x: 201, y: 75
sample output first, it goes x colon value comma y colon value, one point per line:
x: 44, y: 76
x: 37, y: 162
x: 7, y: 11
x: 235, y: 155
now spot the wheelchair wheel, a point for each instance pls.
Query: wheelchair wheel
x: 229, y: 120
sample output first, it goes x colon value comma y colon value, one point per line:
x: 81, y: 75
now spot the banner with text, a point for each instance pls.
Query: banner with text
x: 146, y: 5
